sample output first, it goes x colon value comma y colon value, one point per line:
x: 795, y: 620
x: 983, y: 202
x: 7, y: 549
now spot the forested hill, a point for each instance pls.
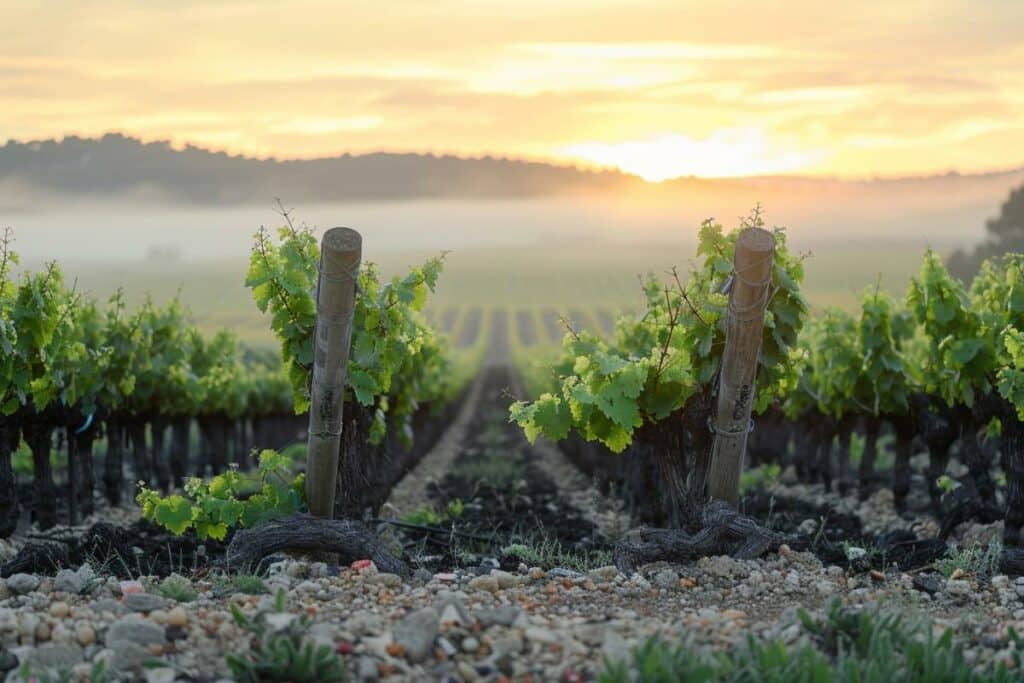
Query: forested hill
x: 115, y: 165
x: 118, y: 166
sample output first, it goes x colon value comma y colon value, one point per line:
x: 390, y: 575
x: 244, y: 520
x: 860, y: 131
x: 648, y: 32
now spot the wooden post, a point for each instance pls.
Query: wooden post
x: 340, y: 255
x: 748, y: 298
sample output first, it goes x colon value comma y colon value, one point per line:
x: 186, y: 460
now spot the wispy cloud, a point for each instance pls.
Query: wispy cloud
x: 672, y: 85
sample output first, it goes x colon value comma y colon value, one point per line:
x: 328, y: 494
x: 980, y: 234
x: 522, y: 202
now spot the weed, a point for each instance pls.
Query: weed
x: 844, y: 646
x: 496, y: 470
x: 97, y: 674
x: 763, y: 475
x: 250, y: 584
x: 279, y: 650
x: 428, y: 516
x: 546, y: 552
x: 176, y: 587
x: 982, y: 561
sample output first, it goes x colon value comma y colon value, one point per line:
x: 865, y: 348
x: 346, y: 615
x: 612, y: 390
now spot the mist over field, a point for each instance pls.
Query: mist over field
x: 157, y: 220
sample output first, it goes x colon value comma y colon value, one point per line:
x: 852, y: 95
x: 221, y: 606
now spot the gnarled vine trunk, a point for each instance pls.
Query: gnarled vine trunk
x: 905, y: 429
x: 136, y: 429
x: 113, y: 465
x: 9, y: 435
x: 161, y: 469
x: 1013, y: 464
x: 872, y: 427
x: 39, y: 436
x: 180, y: 446
x: 82, y: 443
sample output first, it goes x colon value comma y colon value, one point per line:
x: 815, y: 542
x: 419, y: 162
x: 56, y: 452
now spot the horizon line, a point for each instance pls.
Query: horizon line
x: 578, y: 165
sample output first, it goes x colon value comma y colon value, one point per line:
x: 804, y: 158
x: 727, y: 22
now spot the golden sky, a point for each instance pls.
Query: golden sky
x: 659, y: 88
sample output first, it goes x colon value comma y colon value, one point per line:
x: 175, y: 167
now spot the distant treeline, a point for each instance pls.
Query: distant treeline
x: 1005, y: 234
x: 116, y: 165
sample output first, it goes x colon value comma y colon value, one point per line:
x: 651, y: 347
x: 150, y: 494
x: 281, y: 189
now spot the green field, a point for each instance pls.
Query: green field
x: 587, y: 285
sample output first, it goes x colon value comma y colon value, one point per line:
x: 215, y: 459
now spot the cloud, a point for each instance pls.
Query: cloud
x: 535, y: 78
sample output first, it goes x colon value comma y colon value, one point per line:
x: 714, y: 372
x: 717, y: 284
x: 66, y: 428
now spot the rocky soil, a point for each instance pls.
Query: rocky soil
x: 470, y: 625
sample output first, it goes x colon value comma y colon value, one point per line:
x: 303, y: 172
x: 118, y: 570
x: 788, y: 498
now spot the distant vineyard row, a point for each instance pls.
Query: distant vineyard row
x: 525, y: 326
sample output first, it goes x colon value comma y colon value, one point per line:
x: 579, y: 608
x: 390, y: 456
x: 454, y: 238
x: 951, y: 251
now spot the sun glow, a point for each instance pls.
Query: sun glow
x: 726, y: 153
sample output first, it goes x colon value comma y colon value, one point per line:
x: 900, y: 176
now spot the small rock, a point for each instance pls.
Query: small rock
x: 75, y: 582
x: 958, y: 573
x: 509, y: 644
x: 504, y: 579
x: 542, y: 635
x: 416, y: 633
x: 85, y: 634
x: 808, y: 527
x: 853, y: 553
x: 451, y: 614
x: 136, y: 630
x: 177, y: 616
x: 445, y: 577
x: 606, y: 573
x: 536, y: 574
x: 564, y: 573
x: 666, y: 578
x: 107, y: 605
x: 131, y: 587
x: 505, y: 615
x: 60, y: 610
x: 484, y: 583
x: 128, y: 656
x: 19, y: 584
x: 877, y: 575
x: 144, y: 602
x: 54, y: 656
x: 958, y: 587
x: 446, y: 647
x: 366, y: 670
x: 470, y: 644
x: 389, y: 580
x: 163, y: 674
x: 785, y: 550
x: 929, y: 583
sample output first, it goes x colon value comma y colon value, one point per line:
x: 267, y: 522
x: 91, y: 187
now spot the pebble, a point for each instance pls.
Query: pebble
x: 389, y: 580
x: 54, y: 656
x: 416, y: 633
x: 85, y: 634
x: 667, y: 578
x: 144, y: 602
x: 606, y: 573
x: 60, y: 610
x: 74, y: 581
x: 446, y: 646
x: 470, y: 644
x: 20, y: 584
x: 177, y: 616
x: 484, y: 583
x: 505, y: 579
x: 137, y: 630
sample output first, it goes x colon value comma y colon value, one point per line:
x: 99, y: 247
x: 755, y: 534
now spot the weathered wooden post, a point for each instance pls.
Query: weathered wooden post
x: 340, y: 255
x: 748, y: 298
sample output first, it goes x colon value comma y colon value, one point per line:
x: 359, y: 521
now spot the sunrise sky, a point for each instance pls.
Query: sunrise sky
x: 657, y: 88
